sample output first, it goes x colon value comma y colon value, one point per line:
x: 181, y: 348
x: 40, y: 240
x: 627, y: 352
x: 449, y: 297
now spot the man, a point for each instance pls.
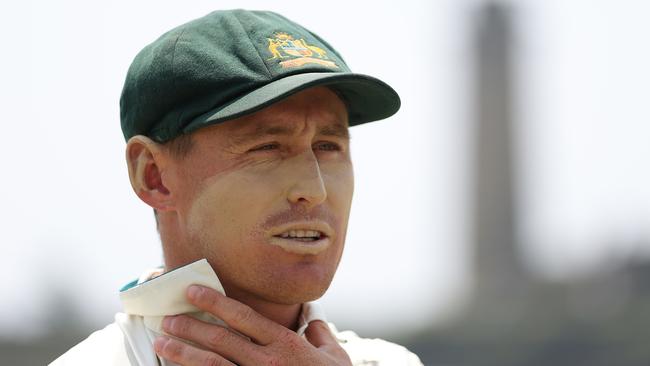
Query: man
x: 237, y: 130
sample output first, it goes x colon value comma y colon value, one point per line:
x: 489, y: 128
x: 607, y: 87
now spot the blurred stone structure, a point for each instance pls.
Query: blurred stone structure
x: 514, y: 318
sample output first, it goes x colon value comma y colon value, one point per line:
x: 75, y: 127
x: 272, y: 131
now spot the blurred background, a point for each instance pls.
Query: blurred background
x: 502, y: 217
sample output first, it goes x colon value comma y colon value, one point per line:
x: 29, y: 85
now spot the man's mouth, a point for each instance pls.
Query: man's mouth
x: 304, y: 239
x: 302, y: 235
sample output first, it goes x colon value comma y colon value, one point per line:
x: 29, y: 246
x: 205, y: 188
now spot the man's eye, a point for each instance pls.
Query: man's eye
x: 327, y: 146
x: 266, y: 147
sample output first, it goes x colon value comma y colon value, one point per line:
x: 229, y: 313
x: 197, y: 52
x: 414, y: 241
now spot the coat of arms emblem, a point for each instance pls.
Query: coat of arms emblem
x: 297, y: 52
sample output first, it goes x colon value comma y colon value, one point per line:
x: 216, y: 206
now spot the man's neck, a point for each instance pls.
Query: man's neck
x: 285, y: 315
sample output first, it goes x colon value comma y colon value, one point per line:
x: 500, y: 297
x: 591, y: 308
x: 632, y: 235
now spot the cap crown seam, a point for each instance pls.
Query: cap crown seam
x: 268, y: 72
x: 178, y: 119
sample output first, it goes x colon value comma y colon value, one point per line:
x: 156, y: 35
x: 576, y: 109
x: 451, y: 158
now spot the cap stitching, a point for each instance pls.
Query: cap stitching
x: 178, y: 121
x: 253, y: 45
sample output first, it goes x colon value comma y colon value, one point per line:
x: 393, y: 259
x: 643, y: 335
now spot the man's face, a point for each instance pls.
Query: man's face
x: 266, y: 198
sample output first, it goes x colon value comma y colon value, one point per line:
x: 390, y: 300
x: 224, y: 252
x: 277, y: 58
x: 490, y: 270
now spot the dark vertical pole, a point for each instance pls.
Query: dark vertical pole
x: 497, y: 260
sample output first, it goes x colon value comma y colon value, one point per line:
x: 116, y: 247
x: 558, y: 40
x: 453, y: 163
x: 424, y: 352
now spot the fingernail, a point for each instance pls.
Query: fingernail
x: 167, y: 323
x: 159, y: 343
x: 194, y: 292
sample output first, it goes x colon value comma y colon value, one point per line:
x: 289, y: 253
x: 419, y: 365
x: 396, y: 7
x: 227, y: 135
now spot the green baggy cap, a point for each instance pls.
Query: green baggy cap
x: 235, y: 62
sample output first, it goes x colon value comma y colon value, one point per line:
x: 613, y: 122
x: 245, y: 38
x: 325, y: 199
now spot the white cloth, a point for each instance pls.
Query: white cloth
x: 129, y: 340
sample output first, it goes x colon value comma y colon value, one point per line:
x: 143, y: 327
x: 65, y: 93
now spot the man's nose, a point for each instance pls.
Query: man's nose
x: 308, y: 188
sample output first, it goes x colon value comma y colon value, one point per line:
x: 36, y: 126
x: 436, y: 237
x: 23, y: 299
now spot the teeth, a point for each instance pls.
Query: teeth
x: 301, y: 234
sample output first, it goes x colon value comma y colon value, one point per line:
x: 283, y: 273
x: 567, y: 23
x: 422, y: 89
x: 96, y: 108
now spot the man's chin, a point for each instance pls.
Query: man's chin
x: 278, y: 280
x: 295, y: 292
x: 293, y: 298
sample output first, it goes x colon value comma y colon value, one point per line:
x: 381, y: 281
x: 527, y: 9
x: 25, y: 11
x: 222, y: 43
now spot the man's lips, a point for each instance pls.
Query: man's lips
x: 303, y: 229
x: 301, y: 247
x: 302, y: 235
x: 306, y: 238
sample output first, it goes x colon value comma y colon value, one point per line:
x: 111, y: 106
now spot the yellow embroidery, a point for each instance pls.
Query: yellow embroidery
x: 273, y: 48
x: 298, y: 50
x: 319, y: 51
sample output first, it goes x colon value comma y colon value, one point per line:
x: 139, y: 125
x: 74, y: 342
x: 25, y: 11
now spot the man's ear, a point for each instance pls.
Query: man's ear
x: 146, y: 161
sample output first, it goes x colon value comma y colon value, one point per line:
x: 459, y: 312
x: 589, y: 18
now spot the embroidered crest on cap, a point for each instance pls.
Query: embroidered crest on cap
x: 297, y: 51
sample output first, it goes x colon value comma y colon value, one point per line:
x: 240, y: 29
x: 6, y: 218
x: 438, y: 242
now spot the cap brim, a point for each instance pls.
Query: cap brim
x: 367, y: 98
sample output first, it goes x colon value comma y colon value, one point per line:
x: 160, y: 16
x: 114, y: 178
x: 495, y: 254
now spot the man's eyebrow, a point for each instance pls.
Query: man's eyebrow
x: 336, y: 130
x: 260, y: 131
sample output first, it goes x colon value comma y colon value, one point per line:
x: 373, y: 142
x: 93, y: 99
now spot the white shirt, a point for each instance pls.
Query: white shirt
x: 129, y: 340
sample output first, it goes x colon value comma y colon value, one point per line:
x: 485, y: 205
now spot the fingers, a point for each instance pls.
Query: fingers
x: 186, y: 355
x: 318, y: 334
x: 237, y: 315
x: 213, y: 337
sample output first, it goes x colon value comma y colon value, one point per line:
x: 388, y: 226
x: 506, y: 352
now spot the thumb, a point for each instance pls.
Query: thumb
x: 318, y: 333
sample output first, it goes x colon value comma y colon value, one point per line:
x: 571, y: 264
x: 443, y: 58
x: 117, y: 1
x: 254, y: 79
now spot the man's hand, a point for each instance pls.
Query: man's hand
x: 270, y: 344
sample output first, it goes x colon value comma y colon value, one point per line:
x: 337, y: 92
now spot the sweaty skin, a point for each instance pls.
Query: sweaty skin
x: 244, y: 183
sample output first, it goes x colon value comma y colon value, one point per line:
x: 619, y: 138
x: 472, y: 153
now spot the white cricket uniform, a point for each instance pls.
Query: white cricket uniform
x: 129, y: 340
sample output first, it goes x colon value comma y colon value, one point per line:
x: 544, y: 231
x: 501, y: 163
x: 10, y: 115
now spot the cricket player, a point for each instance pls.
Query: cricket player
x: 237, y: 136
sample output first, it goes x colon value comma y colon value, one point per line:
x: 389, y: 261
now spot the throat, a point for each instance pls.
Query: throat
x: 286, y: 315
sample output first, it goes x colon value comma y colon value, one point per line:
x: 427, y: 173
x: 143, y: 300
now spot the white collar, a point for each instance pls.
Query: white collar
x: 156, y: 297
